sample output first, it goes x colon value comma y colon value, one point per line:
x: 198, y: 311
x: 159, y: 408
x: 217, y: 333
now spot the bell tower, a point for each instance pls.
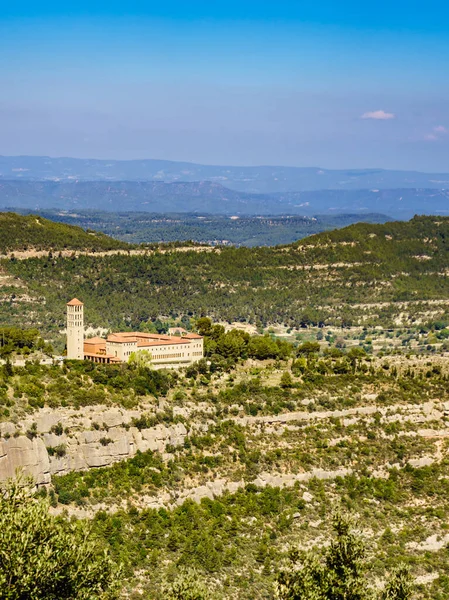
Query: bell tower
x: 75, y: 329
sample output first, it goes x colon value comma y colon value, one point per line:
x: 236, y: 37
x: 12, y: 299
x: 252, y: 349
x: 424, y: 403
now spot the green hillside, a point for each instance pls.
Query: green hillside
x: 19, y: 233
x: 358, y: 275
x: 234, y: 465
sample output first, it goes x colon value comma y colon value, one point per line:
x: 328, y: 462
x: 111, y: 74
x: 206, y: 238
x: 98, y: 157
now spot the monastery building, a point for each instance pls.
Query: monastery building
x: 177, y: 349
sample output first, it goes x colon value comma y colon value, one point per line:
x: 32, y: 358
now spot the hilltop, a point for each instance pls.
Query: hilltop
x: 19, y: 232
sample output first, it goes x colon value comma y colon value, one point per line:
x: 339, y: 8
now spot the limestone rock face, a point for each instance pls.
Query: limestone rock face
x: 97, y: 437
x: 7, y: 429
x: 30, y: 457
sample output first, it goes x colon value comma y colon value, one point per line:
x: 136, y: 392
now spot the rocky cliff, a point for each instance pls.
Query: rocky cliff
x: 59, y: 441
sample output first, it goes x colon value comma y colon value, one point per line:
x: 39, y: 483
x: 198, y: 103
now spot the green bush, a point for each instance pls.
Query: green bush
x: 42, y: 557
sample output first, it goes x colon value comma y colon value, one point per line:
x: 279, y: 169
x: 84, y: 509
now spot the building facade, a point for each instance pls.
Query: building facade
x: 75, y: 329
x: 166, y: 351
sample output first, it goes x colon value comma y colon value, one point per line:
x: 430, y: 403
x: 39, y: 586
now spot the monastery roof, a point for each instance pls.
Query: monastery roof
x: 170, y: 342
x: 150, y: 339
x: 95, y: 340
x: 75, y: 302
x: 121, y: 338
x: 152, y: 336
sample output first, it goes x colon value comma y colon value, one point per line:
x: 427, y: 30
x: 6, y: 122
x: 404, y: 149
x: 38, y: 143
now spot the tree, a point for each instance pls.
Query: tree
x: 286, y: 380
x: 308, y: 348
x: 42, y: 557
x: 140, y: 359
x: 262, y: 347
x: 187, y: 586
x: 231, y: 345
x: 204, y: 326
x: 339, y: 575
x: 355, y: 356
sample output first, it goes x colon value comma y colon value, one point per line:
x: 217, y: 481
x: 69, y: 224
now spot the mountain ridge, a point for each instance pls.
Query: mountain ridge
x: 214, y: 198
x: 258, y: 179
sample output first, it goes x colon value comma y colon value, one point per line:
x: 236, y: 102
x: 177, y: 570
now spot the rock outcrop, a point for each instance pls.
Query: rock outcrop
x: 64, y: 441
x: 20, y: 454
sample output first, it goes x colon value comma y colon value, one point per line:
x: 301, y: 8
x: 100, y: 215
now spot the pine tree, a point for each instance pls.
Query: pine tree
x: 340, y: 574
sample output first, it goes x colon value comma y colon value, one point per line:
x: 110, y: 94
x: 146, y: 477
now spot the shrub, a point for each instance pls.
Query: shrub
x: 339, y: 575
x: 42, y: 557
x: 187, y: 586
x: 58, y: 451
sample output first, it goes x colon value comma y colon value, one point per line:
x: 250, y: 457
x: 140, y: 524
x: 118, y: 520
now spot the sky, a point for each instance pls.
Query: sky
x: 335, y: 84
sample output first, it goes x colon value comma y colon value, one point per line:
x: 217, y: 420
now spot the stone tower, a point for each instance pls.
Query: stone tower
x: 75, y: 329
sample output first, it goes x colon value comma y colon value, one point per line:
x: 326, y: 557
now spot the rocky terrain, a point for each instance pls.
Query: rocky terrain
x: 375, y: 439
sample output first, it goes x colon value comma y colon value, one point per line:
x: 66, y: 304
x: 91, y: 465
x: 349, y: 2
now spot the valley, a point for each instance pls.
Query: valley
x: 215, y: 230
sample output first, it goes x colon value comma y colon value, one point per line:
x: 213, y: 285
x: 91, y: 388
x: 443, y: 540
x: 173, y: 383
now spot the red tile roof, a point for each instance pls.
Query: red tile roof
x: 121, y: 338
x: 95, y: 340
x: 147, y: 339
x: 75, y: 302
x: 171, y: 342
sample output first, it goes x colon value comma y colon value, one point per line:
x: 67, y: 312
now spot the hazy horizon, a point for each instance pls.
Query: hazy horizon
x: 242, y: 83
x: 214, y: 164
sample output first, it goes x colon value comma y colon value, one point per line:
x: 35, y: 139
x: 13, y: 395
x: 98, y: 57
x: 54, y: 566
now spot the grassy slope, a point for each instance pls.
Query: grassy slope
x: 18, y: 232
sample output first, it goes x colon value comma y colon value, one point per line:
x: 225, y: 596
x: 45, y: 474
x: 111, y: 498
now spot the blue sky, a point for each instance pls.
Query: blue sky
x: 334, y: 84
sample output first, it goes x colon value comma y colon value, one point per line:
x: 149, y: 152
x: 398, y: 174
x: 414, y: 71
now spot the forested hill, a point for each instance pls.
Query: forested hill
x: 31, y: 232
x: 362, y: 274
x: 422, y: 239
x: 145, y: 227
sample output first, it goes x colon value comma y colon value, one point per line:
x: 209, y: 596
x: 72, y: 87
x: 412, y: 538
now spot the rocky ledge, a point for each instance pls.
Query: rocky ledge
x: 56, y: 442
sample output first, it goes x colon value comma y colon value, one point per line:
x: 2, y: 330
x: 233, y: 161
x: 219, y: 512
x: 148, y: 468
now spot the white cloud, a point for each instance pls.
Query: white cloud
x: 378, y: 115
x: 436, y: 133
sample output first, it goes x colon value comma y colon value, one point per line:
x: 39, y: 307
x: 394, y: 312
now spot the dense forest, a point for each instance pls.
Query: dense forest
x: 18, y: 232
x: 362, y: 273
x: 139, y: 227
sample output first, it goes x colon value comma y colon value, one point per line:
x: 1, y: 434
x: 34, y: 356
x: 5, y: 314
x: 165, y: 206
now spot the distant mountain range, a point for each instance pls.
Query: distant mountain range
x: 213, y: 198
x: 254, y: 180
x: 39, y: 183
